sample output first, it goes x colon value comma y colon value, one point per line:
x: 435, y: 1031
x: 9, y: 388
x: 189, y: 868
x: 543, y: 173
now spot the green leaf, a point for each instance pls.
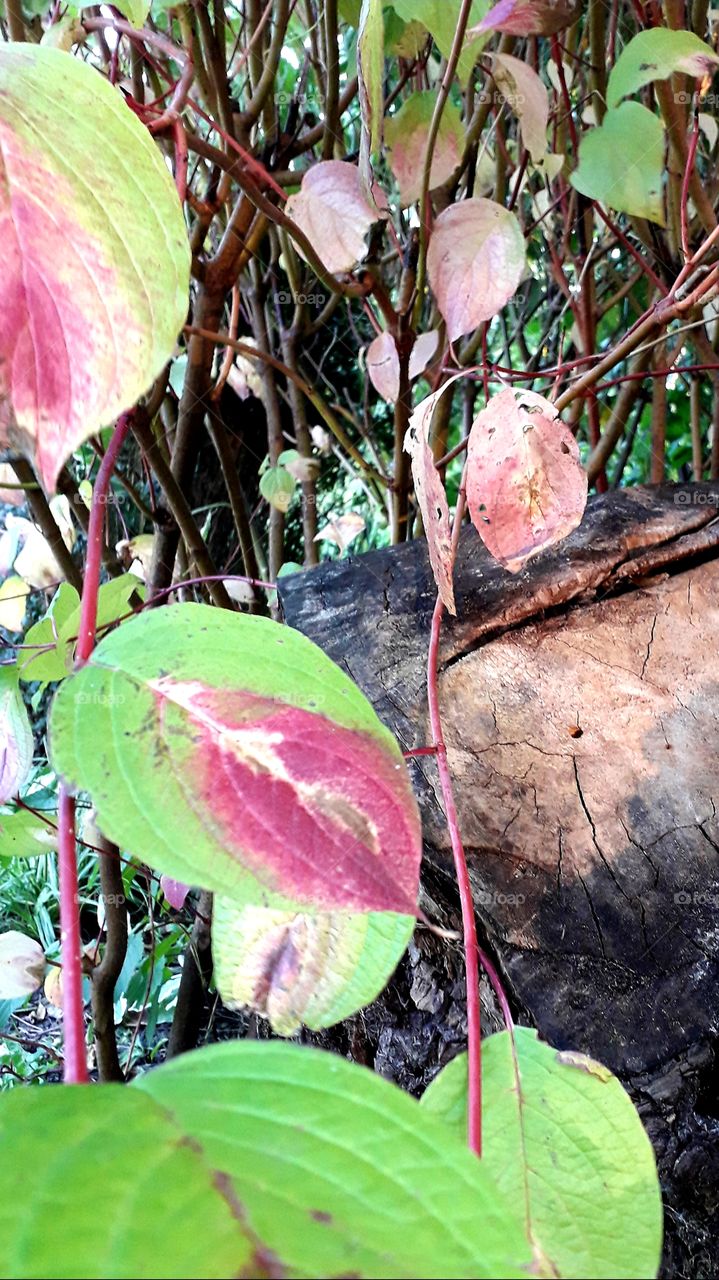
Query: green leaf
x: 440, y: 18
x: 621, y: 163
x: 406, y: 135
x: 655, y: 55
x: 135, y: 11
x: 102, y: 1183
x: 59, y: 628
x: 95, y: 280
x: 22, y: 835
x: 214, y: 745
x: 566, y: 1146
x: 295, y: 968
x: 370, y: 69
x: 277, y: 486
x: 336, y: 1170
x: 16, y: 740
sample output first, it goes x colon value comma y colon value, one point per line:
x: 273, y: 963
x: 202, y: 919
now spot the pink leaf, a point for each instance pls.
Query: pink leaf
x: 527, y: 97
x: 22, y: 965
x: 430, y: 494
x: 16, y: 741
x: 175, y: 891
x: 528, y: 17
x: 383, y: 361
x: 334, y: 213
x: 406, y: 135
x: 526, y: 487
x: 475, y: 262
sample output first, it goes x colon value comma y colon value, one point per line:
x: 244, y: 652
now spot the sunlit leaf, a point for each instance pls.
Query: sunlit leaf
x: 16, y: 740
x: 334, y: 213
x: 22, y: 965
x: 567, y: 1147
x: 55, y: 634
x: 406, y: 134
x: 526, y: 487
x: 23, y: 835
x: 440, y: 18
x: 621, y: 162
x: 175, y: 891
x: 530, y: 17
x: 383, y: 361
x: 13, y: 602
x: 95, y: 279
x: 656, y: 54
x: 295, y: 968
x: 475, y: 262
x: 527, y: 97
x: 134, y: 10
x: 277, y: 486
x: 431, y: 497
x: 192, y: 708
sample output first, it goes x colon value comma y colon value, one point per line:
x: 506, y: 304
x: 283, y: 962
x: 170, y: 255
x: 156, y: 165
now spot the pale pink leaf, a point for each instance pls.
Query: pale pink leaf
x: 342, y: 530
x: 528, y: 17
x: 406, y: 134
x: 526, y: 486
x: 475, y: 262
x: 14, y: 497
x: 332, y: 209
x: 16, y: 740
x: 527, y: 97
x: 22, y: 965
x: 383, y: 361
x: 430, y: 494
x: 175, y: 891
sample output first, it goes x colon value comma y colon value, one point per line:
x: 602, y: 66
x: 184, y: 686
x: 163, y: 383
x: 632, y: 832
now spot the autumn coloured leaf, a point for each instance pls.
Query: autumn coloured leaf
x: 383, y: 361
x: 16, y: 740
x: 529, y: 17
x: 430, y: 494
x: 22, y: 965
x: 13, y: 602
x: 621, y: 162
x: 370, y: 76
x: 527, y: 97
x: 296, y: 968
x: 656, y: 54
x: 95, y: 279
x: 222, y: 746
x: 332, y: 209
x: 526, y: 487
x: 175, y: 891
x: 342, y: 529
x: 475, y: 262
x: 406, y: 133
x: 564, y: 1142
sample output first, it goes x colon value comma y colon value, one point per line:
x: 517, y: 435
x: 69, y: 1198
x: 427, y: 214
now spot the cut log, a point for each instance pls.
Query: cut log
x: 580, y: 702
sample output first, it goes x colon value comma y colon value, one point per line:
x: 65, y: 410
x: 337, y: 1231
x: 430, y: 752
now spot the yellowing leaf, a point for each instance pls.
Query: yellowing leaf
x: 22, y: 965
x: 16, y: 740
x: 334, y: 213
x: 13, y: 595
x: 430, y: 494
x: 475, y: 262
x: 406, y: 134
x: 527, y: 97
x: 370, y: 75
x: 526, y: 487
x: 295, y: 968
x: 383, y: 361
x: 656, y: 54
x: 96, y: 261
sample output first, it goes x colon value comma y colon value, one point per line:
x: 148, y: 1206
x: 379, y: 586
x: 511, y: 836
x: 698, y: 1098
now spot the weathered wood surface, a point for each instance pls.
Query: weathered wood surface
x: 581, y: 709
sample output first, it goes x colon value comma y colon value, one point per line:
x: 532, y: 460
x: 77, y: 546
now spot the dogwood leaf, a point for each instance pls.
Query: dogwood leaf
x: 406, y: 134
x: 621, y: 162
x: 526, y: 487
x: 656, y: 54
x: 430, y: 494
x: 529, y: 17
x: 16, y: 740
x: 95, y: 279
x: 527, y: 96
x: 383, y: 361
x: 221, y: 746
x: 334, y: 213
x: 22, y: 965
x: 474, y: 262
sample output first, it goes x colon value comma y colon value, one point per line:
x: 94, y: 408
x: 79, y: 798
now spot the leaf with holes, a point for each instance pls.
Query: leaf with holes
x: 527, y: 97
x: 621, y: 163
x: 220, y: 745
x: 430, y: 494
x: 295, y: 968
x: 333, y: 211
x: 529, y: 17
x: 475, y: 262
x: 655, y: 55
x: 526, y: 486
x: 564, y: 1142
x: 16, y: 740
x: 383, y: 361
x: 406, y: 133
x: 95, y: 280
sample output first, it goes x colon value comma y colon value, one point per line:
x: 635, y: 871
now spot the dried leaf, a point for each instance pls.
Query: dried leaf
x: 526, y: 487
x: 475, y: 262
x: 22, y: 965
x: 383, y: 361
x: 430, y: 494
x: 333, y: 211
x: 406, y: 134
x: 342, y: 530
x: 16, y: 740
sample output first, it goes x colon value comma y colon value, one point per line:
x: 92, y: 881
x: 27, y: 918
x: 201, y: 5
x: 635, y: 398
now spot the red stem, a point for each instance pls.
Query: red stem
x: 75, y: 1052
x: 471, y: 952
x: 93, y: 564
